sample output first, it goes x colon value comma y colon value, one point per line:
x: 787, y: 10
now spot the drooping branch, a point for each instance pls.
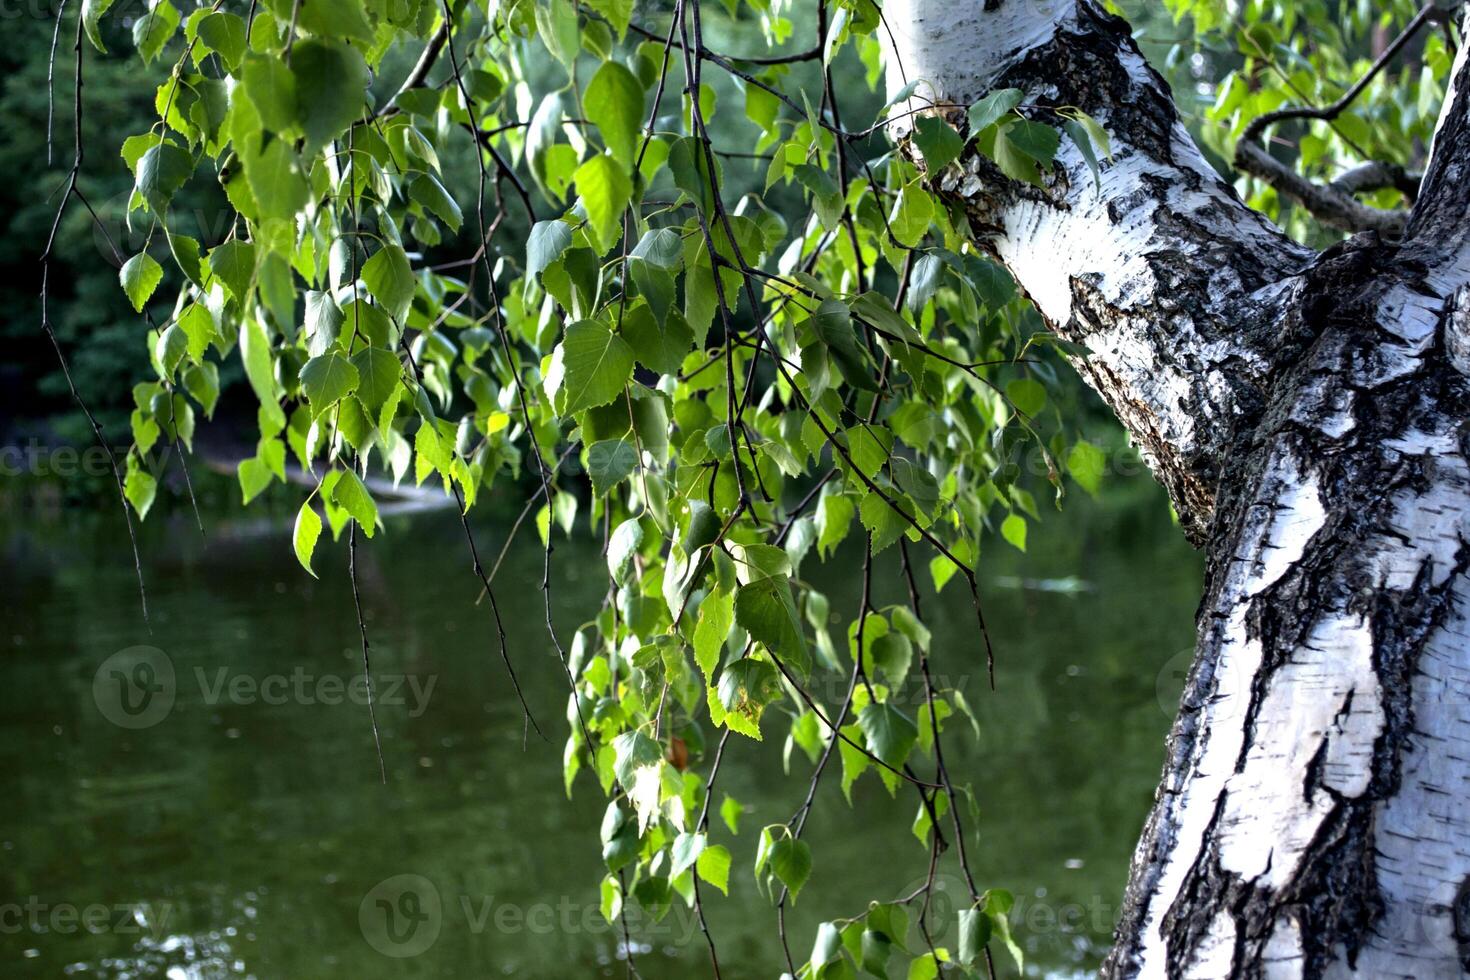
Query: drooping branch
x: 1158, y: 268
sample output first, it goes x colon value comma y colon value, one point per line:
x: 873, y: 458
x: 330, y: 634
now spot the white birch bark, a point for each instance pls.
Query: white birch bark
x: 1310, y: 417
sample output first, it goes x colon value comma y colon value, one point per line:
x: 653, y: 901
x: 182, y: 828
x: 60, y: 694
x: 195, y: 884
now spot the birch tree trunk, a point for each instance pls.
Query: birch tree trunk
x: 1310, y: 418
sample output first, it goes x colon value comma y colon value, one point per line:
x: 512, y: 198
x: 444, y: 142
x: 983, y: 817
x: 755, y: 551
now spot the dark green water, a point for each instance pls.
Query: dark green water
x: 242, y: 832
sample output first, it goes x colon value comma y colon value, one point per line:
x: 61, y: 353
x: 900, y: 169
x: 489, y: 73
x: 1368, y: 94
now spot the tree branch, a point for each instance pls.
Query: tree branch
x: 1334, y: 204
x: 1330, y: 204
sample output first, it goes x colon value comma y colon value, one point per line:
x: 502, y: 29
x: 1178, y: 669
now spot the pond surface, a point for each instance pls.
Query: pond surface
x: 238, y: 827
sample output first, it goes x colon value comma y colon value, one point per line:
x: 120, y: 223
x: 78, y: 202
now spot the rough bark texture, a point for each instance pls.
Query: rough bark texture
x: 1308, y: 415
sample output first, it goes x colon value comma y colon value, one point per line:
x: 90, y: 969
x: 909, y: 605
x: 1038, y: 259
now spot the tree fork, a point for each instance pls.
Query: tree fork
x: 1307, y: 415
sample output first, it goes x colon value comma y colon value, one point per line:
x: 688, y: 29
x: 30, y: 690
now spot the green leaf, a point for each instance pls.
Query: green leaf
x: 765, y: 609
x: 331, y: 81
x: 619, y: 13
x: 254, y: 477
x: 556, y: 22
x: 826, y: 194
x: 791, y: 860
x: 924, y: 282
x: 612, y: 899
x: 622, y: 545
x: 278, y: 183
x: 1036, y: 140
x: 938, y: 141
x: 912, y: 213
x: 271, y: 87
x: 834, y: 517
x: 202, y: 382
x: 305, y: 534
x: 891, y: 921
x: 660, y: 348
x: 926, y: 967
x: 703, y: 528
x: 234, y: 264
x: 92, y: 11
x: 826, y: 948
x: 974, y: 934
x: 879, y: 517
x: 379, y: 373
x: 605, y: 190
x: 161, y: 171
x: 367, y: 322
x: 333, y: 18
x: 1026, y: 395
x: 548, y: 239
x: 352, y: 495
x: 185, y: 252
x: 730, y: 811
x: 1079, y: 136
x: 634, y: 751
x: 716, y: 615
x: 833, y: 325
x: 598, y: 365
x: 890, y: 733
x: 745, y: 688
x: 327, y: 379
x: 140, y: 488
x: 997, y: 904
x: 690, y: 168
x: 1087, y: 463
x: 876, y: 950
x: 686, y: 850
x: 224, y: 33
x: 155, y: 29
x: 991, y: 283
x: 713, y: 865
x: 323, y: 324
x: 1013, y: 529
x: 661, y: 247
x: 427, y: 191
x: 609, y: 462
x: 990, y: 109
x: 1096, y: 135
x: 255, y: 352
x: 1025, y: 150
x: 140, y: 276
x: 613, y: 100
x: 390, y: 280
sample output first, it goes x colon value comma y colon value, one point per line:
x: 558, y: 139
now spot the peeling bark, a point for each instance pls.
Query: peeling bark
x: 1308, y: 415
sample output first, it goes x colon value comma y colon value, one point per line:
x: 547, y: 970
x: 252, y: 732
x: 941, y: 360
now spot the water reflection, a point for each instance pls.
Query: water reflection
x: 244, y: 831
